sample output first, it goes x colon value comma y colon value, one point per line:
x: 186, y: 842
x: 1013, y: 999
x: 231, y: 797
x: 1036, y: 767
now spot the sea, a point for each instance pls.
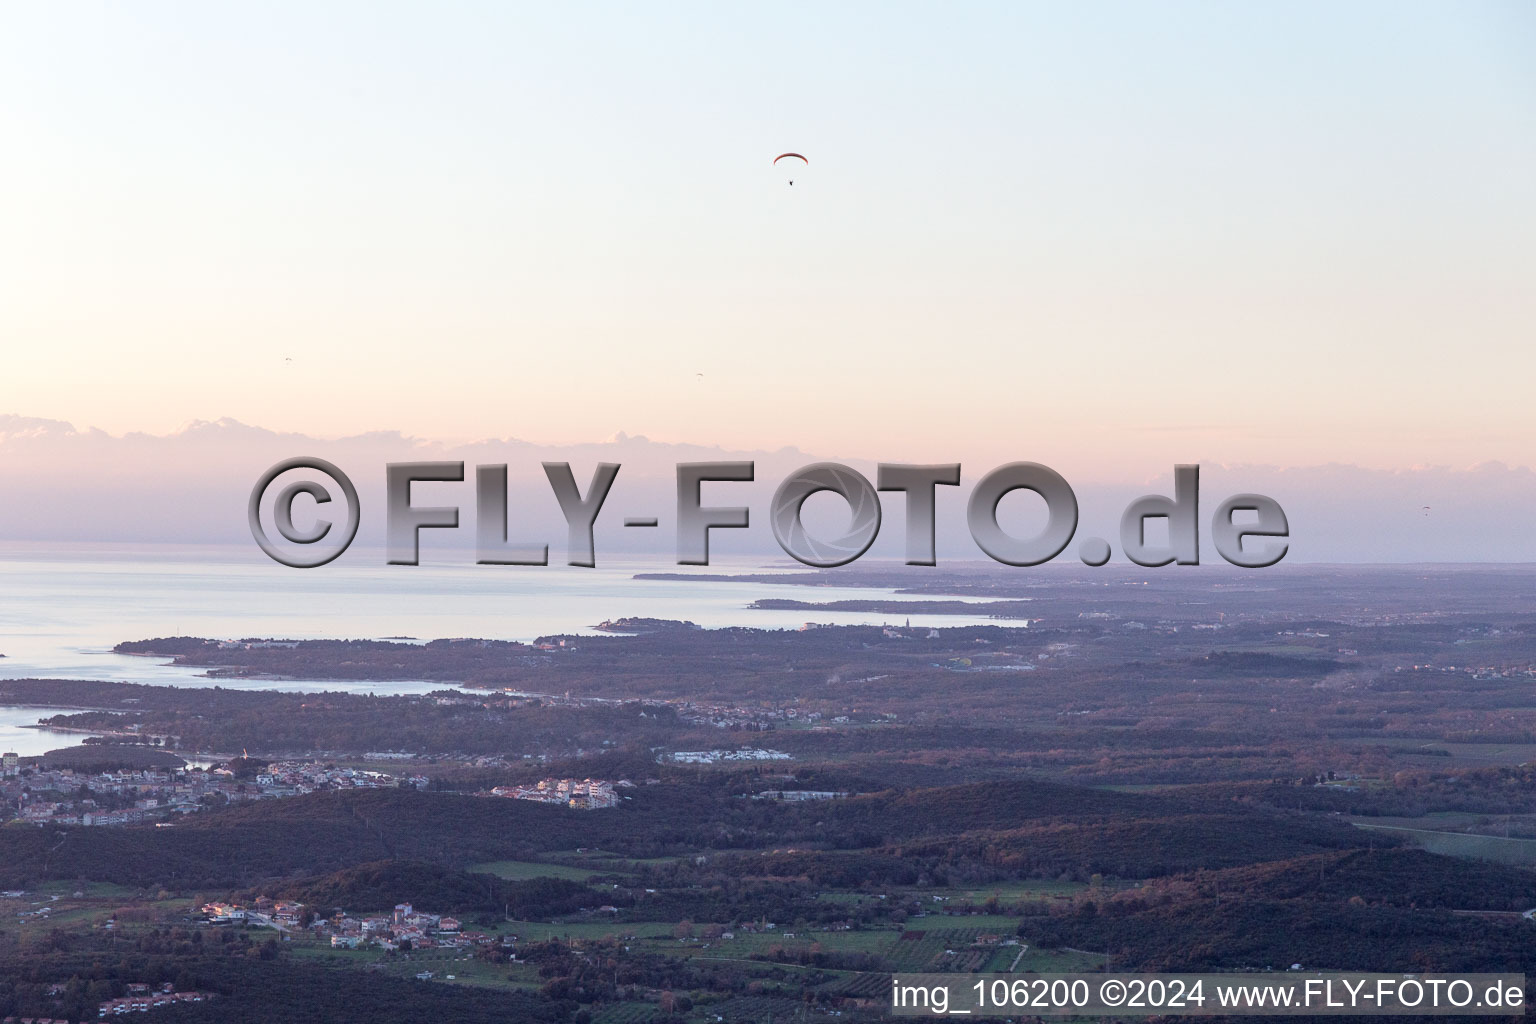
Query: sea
x: 63, y: 609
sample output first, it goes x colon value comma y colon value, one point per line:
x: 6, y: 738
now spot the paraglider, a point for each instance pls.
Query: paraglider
x: 795, y: 156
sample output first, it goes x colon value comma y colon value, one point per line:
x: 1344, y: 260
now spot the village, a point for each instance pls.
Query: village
x: 581, y: 794
x: 66, y: 796
x: 405, y: 929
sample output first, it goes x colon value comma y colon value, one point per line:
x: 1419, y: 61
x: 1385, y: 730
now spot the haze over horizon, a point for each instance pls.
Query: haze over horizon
x: 15, y: 427
x: 65, y: 484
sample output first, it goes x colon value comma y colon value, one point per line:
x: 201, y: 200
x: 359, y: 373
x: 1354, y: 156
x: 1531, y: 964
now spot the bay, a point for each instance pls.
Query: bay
x: 63, y: 609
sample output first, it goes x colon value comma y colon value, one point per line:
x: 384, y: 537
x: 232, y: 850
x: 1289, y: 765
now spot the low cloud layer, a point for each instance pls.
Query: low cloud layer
x: 66, y: 485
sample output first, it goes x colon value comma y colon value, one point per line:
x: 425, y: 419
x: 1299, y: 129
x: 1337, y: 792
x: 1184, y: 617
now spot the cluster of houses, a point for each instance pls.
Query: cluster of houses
x: 292, y: 778
x: 406, y: 928
x: 736, y: 717
x: 142, y: 999
x: 723, y: 756
x: 582, y: 794
x: 65, y: 796
x: 266, y: 913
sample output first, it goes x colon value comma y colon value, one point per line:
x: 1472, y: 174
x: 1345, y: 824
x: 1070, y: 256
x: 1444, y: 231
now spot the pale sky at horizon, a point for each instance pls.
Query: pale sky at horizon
x: 1108, y: 235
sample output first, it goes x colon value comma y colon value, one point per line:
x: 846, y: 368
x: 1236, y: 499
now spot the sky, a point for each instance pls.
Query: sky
x: 1108, y: 237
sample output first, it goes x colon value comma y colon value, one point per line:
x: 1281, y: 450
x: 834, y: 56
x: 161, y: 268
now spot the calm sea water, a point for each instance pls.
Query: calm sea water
x: 16, y: 738
x: 61, y: 611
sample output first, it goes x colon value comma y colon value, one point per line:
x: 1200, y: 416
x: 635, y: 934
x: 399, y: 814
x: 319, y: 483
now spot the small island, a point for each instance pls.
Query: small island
x: 639, y: 624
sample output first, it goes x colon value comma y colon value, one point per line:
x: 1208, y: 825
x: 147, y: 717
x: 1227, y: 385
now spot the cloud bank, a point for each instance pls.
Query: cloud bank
x: 66, y: 485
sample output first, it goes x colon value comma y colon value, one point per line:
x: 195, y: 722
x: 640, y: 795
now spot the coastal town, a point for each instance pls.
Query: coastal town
x: 68, y: 796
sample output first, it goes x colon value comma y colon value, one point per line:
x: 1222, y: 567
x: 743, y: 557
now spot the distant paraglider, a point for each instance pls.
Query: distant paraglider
x: 795, y: 156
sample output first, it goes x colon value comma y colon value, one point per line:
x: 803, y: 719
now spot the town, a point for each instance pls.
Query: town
x: 68, y: 796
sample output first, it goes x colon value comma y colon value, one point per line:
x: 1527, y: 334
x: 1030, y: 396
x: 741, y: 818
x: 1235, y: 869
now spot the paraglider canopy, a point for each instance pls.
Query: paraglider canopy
x: 791, y: 156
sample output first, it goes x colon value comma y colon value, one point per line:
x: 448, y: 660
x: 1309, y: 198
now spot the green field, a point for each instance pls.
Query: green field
x: 1462, y: 844
x: 1027, y: 889
x: 538, y: 931
x: 1436, y: 821
x: 521, y: 870
x: 1058, y: 960
x: 997, y: 924
x: 624, y: 1013
x: 747, y: 944
x: 1466, y: 754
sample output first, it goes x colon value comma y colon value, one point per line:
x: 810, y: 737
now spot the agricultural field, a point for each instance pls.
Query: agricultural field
x: 625, y: 1013
x: 1499, y: 849
x: 521, y: 870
